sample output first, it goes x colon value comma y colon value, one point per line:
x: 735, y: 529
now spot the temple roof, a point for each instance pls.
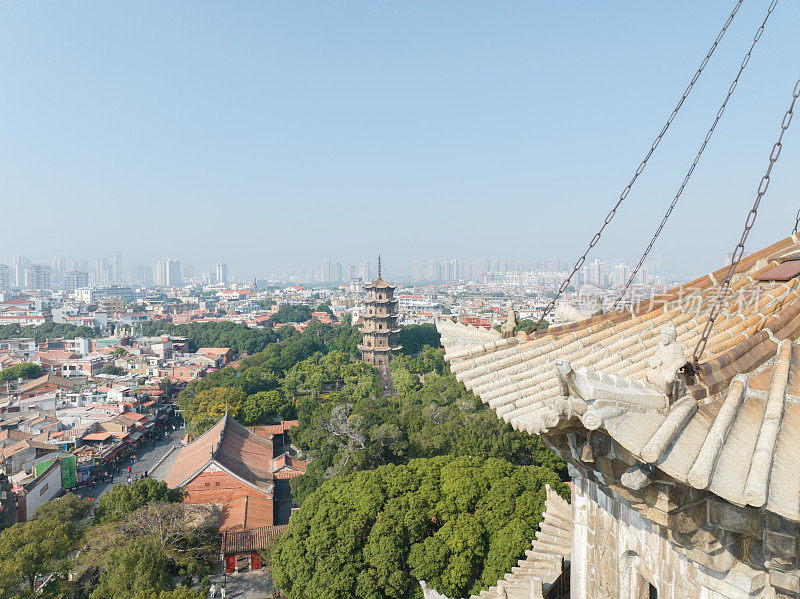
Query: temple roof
x: 735, y: 430
x: 379, y: 284
x: 230, y: 445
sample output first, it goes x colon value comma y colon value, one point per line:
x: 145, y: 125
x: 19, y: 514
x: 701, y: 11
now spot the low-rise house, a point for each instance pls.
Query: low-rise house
x: 14, y: 457
x: 24, y: 347
x: 88, y: 366
x: 222, y: 355
x: 35, y: 493
x: 43, y: 384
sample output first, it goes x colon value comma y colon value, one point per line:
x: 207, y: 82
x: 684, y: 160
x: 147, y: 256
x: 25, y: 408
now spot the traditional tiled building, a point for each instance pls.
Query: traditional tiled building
x: 686, y: 482
x: 380, y: 328
x: 238, y: 470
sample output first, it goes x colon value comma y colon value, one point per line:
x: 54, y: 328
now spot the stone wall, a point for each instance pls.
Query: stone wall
x: 617, y: 553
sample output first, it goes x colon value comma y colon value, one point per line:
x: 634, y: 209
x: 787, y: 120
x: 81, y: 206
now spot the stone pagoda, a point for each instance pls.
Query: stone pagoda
x: 686, y: 480
x: 380, y: 328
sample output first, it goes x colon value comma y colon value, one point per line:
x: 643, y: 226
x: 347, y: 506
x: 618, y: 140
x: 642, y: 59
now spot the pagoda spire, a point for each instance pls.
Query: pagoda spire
x: 379, y: 267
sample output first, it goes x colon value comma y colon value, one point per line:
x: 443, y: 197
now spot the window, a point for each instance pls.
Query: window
x: 653, y: 592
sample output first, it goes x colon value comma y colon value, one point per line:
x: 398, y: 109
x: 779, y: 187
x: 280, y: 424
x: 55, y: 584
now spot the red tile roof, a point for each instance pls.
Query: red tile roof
x: 246, y: 513
x: 230, y: 445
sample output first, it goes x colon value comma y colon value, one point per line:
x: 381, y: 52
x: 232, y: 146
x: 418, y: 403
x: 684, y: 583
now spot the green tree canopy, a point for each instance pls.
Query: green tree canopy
x: 124, y: 499
x: 69, y: 508
x: 357, y: 429
x: 207, y: 407
x: 458, y: 523
x: 25, y: 370
x: 33, y: 548
x: 414, y: 337
x: 138, y: 566
x: 238, y: 337
x: 48, y: 330
x: 325, y: 308
x: 291, y: 313
x: 115, y: 370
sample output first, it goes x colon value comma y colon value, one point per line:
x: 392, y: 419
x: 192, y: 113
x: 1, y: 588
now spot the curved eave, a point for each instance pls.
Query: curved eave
x: 748, y: 392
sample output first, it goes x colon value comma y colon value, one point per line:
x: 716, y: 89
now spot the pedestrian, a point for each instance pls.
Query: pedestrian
x: 129, y: 469
x: 145, y: 473
x: 212, y: 591
x: 222, y: 592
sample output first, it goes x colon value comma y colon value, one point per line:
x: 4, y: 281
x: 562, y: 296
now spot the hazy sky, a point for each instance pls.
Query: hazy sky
x: 275, y: 134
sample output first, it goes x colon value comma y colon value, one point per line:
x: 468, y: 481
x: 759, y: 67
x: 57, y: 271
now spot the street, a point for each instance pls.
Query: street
x: 147, y: 457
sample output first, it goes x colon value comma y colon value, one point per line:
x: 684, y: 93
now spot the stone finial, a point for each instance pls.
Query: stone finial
x: 664, y: 365
x: 509, y: 327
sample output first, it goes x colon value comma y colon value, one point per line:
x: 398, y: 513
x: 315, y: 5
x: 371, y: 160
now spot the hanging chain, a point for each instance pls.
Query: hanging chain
x: 642, y: 165
x: 748, y: 224
x: 796, y: 222
x: 697, y: 157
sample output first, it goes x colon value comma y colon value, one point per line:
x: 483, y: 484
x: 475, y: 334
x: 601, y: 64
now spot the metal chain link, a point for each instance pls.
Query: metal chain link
x: 796, y: 223
x: 697, y: 157
x: 642, y: 165
x: 738, y: 252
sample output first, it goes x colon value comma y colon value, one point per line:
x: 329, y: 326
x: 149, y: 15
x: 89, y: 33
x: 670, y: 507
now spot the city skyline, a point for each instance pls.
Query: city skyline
x: 495, y: 138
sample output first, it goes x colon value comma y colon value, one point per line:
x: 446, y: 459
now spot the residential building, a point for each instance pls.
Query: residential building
x: 5, y: 280
x: 116, y: 272
x: 168, y: 273
x: 75, y: 279
x: 37, y: 277
x: 221, y: 272
x: 102, y: 272
x: 18, y: 265
x: 330, y: 271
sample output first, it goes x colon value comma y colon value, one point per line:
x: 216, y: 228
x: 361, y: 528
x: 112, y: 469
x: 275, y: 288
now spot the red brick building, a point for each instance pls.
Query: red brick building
x: 237, y: 469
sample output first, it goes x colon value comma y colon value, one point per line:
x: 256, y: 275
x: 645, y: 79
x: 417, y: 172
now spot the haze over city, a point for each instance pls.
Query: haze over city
x: 276, y: 136
x: 397, y: 300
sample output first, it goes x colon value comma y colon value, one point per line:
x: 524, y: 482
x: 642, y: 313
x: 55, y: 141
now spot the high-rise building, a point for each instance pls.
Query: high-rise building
x: 187, y: 272
x: 18, y: 266
x: 37, y: 277
x: 75, y: 279
x: 432, y: 271
x: 330, y: 271
x: 5, y: 283
x: 58, y: 266
x: 221, y: 272
x: 418, y: 270
x: 117, y: 268
x: 358, y: 271
x: 142, y: 275
x: 168, y: 273
x: 380, y: 328
x: 174, y: 273
x: 102, y: 271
